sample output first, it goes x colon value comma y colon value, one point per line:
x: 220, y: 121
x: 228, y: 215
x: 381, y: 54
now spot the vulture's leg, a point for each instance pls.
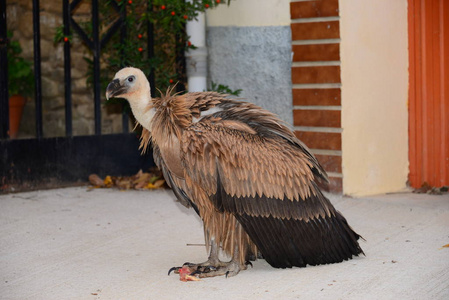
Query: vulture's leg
x: 213, y: 255
x: 230, y: 268
x: 212, y: 261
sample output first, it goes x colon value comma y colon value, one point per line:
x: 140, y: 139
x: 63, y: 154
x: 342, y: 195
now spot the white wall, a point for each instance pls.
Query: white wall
x: 374, y: 73
x: 250, y: 13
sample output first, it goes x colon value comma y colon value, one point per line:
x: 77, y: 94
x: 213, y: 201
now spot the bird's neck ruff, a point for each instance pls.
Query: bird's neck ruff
x: 171, y: 115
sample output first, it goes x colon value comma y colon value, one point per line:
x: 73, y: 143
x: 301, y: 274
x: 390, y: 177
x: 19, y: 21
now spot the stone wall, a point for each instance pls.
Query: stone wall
x: 249, y: 47
x: 256, y: 60
x: 20, y: 22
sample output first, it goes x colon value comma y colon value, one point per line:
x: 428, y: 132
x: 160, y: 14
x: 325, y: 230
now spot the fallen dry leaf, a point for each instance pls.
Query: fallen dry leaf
x: 123, y: 183
x: 445, y: 246
x: 95, y: 180
x: 141, y: 180
x: 155, y: 185
x: 140, y: 185
x: 108, y: 181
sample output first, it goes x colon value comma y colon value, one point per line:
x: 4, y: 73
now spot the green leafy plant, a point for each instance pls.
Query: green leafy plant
x: 20, y: 72
x: 224, y: 89
x: 60, y: 37
x: 168, y: 18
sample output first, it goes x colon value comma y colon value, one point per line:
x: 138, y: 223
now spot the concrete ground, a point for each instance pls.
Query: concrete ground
x: 107, y: 244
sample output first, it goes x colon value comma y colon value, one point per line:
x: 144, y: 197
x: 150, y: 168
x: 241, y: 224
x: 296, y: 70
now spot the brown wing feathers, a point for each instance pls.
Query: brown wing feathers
x: 248, y: 164
x: 267, y: 124
x: 267, y: 183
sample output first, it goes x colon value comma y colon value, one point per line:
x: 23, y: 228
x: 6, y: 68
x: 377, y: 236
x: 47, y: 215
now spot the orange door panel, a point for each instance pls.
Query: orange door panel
x: 429, y: 92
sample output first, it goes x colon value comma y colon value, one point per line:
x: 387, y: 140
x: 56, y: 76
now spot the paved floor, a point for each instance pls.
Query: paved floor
x: 107, y: 244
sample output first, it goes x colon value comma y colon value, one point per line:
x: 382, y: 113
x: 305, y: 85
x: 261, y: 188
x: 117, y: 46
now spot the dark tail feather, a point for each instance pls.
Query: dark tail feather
x: 285, y: 243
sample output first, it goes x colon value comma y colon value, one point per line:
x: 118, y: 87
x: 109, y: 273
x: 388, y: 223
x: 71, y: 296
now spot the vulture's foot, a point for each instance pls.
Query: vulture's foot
x: 228, y: 269
x: 212, y: 262
x: 209, y: 269
x: 212, y: 267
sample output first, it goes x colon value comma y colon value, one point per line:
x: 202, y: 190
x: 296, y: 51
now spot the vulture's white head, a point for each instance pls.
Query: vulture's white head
x: 132, y: 85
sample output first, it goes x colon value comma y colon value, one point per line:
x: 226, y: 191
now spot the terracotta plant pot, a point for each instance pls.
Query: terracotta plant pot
x: 16, y: 104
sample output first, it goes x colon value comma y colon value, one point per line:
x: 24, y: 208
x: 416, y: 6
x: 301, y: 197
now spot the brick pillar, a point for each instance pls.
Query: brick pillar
x: 316, y: 82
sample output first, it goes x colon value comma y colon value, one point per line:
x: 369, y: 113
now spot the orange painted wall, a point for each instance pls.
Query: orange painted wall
x: 429, y: 92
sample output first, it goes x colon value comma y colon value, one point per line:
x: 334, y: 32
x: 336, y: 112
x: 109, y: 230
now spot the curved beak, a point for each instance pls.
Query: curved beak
x: 114, y: 89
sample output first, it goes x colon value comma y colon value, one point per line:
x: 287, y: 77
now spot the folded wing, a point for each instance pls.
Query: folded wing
x: 269, y: 184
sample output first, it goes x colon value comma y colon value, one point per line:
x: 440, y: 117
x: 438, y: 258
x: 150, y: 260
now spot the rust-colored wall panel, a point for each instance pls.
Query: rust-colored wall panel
x: 429, y: 92
x: 315, y: 30
x: 317, y: 97
x: 314, y: 9
x: 316, y: 52
x: 330, y: 163
x: 321, y: 74
x: 320, y: 140
x: 319, y: 118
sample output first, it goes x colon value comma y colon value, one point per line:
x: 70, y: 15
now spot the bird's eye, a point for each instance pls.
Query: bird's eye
x: 130, y: 78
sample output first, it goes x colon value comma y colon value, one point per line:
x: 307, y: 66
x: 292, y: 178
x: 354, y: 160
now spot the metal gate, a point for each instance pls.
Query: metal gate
x: 70, y: 158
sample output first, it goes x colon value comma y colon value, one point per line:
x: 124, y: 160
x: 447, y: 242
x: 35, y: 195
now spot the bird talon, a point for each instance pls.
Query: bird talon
x: 226, y: 274
x: 248, y: 263
x: 196, y: 272
x: 208, y: 269
x: 175, y: 269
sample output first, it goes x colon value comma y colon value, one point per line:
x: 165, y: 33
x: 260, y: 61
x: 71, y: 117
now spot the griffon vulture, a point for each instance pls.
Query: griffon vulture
x: 252, y: 182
